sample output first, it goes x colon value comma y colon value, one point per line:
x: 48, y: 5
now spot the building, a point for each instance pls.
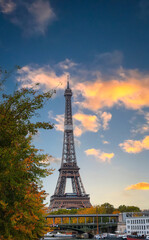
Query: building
x: 121, y: 225
x: 137, y: 225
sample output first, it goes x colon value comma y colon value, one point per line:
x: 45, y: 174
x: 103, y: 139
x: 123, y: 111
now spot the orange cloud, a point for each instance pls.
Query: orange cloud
x: 78, y: 131
x: 45, y: 76
x: 135, y: 146
x: 88, y: 122
x: 130, y: 89
x: 100, y: 156
x: 138, y: 186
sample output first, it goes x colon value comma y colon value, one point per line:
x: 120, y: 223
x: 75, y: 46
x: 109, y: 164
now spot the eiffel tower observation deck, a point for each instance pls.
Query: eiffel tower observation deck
x: 69, y: 168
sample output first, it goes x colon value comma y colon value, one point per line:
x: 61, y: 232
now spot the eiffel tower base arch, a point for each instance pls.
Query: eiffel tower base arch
x: 69, y: 202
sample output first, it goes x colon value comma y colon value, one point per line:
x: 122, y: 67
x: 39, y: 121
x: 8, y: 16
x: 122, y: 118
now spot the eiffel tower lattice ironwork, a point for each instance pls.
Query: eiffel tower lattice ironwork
x: 69, y: 169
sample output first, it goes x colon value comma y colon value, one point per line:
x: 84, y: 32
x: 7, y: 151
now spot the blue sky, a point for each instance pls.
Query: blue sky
x: 103, y: 45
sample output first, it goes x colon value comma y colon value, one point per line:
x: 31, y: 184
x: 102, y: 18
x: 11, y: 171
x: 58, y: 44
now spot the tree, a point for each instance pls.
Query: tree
x: 123, y: 208
x: 133, y: 209
x: 107, y: 208
x: 22, y: 212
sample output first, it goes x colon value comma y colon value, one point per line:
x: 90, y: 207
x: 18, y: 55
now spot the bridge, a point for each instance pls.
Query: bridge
x: 89, y: 222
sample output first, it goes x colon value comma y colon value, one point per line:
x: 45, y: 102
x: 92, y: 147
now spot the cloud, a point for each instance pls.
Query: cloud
x: 54, y: 160
x: 59, y: 125
x: 135, y: 146
x: 42, y: 14
x: 47, y: 78
x: 32, y: 16
x: 50, y: 159
x: 105, y: 142
x: 87, y: 122
x: 82, y: 123
x: 7, y: 6
x: 99, y: 156
x: 67, y: 64
x: 105, y: 117
x: 77, y: 142
x: 142, y: 128
x: 78, y: 131
x: 110, y: 58
x: 129, y: 88
x: 60, y: 122
x: 138, y: 186
x: 146, y: 115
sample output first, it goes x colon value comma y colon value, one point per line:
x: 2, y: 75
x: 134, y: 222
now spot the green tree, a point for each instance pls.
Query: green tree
x: 123, y: 208
x: 22, y: 166
x: 107, y: 208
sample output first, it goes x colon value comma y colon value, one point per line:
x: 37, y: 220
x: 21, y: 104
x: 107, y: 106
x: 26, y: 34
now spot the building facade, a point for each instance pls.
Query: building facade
x: 137, y: 225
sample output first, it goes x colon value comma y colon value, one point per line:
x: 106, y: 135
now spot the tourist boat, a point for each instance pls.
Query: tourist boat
x: 58, y: 235
x: 63, y: 235
x: 49, y: 234
x: 135, y: 237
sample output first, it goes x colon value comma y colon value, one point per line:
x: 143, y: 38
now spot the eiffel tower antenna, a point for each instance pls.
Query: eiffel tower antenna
x: 69, y: 168
x: 68, y: 77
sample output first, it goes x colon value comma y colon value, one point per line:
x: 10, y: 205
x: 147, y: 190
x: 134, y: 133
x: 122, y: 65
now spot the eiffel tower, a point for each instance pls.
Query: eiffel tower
x: 69, y: 168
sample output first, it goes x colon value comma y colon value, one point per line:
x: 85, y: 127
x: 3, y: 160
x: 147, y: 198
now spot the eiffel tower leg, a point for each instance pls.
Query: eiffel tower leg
x: 61, y: 185
x: 78, y: 186
x: 81, y: 185
x: 74, y: 188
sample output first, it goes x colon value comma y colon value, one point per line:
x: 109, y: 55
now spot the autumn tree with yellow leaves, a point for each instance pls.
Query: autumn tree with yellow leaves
x: 22, y: 211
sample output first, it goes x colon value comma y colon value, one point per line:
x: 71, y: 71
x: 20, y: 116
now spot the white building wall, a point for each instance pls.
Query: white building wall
x: 139, y: 225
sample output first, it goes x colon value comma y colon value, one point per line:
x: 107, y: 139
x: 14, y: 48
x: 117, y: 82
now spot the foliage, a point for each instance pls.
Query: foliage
x: 123, y: 208
x: 107, y: 208
x: 64, y: 211
x: 22, y: 212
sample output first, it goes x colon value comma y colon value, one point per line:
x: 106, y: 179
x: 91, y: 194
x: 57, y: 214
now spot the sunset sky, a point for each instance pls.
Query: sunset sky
x: 104, y: 46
